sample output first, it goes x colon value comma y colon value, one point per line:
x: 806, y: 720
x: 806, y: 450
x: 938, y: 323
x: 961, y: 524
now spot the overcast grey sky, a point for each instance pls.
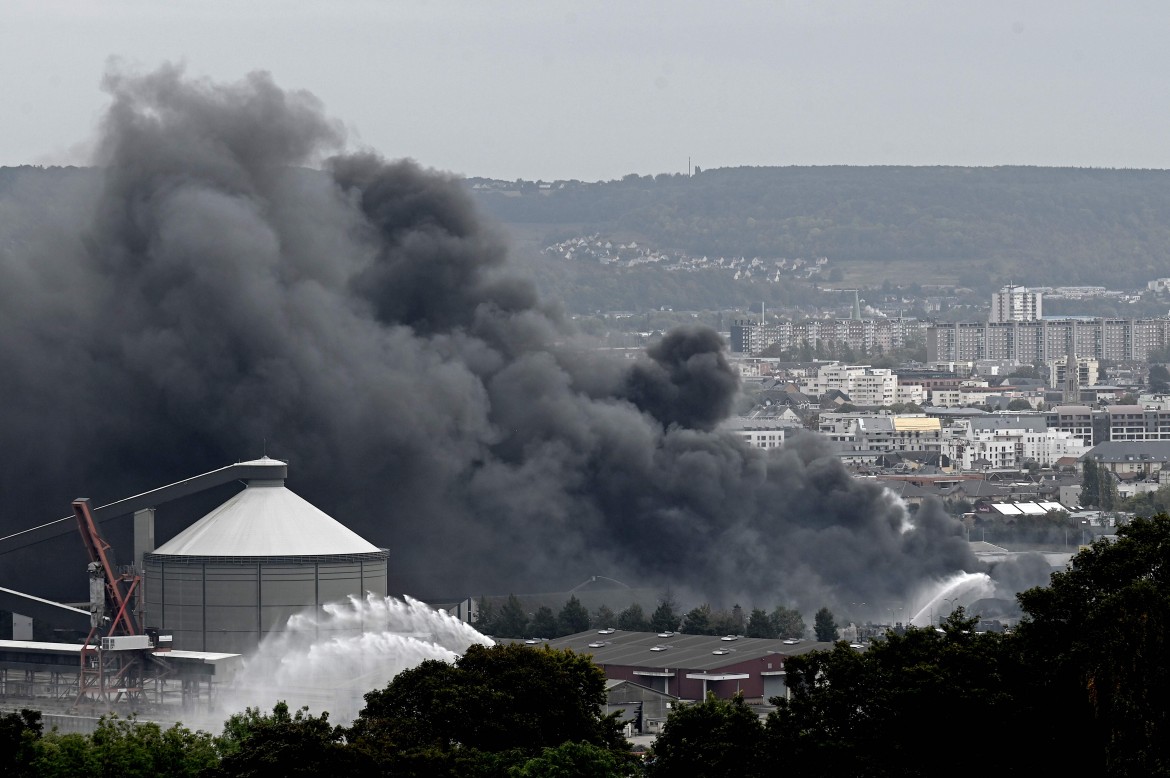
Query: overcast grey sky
x: 594, y: 90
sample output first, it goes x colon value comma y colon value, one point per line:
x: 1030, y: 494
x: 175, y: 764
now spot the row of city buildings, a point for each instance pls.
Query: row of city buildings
x: 865, y: 385
x: 1041, y: 340
x: 978, y: 441
x: 1014, y: 330
x: 868, y: 336
x: 1036, y: 340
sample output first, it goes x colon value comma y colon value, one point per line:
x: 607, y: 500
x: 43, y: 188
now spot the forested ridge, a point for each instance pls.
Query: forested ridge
x: 977, y: 227
x: 1073, y: 225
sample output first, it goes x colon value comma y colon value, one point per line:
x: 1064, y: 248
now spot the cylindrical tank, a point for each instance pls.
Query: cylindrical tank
x: 242, y: 570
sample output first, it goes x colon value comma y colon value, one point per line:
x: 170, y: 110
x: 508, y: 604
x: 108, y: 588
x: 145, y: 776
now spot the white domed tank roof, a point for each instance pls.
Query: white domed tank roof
x: 266, y: 520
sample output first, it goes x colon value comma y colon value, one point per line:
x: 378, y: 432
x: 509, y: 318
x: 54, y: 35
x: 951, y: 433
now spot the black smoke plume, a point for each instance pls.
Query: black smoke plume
x: 219, y: 284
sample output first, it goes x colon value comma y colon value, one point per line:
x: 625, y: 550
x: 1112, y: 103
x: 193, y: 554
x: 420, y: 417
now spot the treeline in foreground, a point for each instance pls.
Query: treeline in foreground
x: 1080, y: 688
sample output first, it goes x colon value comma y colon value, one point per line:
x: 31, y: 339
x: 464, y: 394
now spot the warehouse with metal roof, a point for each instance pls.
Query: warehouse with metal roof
x: 689, y: 666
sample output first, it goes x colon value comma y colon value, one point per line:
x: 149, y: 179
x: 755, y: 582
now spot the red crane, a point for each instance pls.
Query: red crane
x: 107, y: 673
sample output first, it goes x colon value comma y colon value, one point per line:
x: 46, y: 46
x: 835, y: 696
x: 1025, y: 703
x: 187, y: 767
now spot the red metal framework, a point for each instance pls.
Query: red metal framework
x: 107, y: 676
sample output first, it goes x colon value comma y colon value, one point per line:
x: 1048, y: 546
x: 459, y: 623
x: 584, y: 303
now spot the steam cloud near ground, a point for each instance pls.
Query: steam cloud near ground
x: 211, y: 295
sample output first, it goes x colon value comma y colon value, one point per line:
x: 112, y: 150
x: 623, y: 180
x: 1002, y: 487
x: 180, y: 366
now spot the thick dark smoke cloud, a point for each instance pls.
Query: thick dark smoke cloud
x: 206, y: 294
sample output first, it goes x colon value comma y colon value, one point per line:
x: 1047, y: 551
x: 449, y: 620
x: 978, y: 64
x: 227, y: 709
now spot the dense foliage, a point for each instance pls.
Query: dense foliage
x: 711, y: 738
x: 881, y: 712
x: 825, y: 625
x: 1098, y: 635
x: 1098, y: 486
x: 118, y: 747
x: 493, y: 709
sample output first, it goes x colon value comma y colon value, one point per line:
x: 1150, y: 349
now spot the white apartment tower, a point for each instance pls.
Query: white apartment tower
x: 1015, y: 303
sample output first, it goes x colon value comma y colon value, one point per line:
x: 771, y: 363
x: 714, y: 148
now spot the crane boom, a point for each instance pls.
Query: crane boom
x: 96, y: 546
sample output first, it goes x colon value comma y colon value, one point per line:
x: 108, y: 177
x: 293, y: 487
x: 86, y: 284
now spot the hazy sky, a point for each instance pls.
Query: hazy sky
x: 595, y: 90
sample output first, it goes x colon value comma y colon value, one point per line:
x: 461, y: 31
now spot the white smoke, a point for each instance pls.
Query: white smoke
x: 328, y: 659
x: 947, y: 595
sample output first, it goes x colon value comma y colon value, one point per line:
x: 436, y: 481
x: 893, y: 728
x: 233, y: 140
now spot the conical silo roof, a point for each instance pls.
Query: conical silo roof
x: 266, y: 519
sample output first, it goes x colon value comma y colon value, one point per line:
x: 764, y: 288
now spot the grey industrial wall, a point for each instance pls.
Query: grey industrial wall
x: 229, y: 604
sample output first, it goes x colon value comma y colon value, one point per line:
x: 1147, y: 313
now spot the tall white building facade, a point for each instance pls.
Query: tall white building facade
x: 865, y: 385
x: 1016, y: 303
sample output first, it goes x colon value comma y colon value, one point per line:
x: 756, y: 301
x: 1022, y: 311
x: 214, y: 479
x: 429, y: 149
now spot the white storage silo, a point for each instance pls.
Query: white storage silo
x: 240, y: 571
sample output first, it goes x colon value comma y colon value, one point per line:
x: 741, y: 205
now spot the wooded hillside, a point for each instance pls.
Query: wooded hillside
x: 1038, y: 225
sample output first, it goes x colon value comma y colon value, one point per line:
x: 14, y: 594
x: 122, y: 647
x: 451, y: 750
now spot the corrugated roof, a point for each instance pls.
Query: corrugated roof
x: 678, y: 651
x: 266, y: 520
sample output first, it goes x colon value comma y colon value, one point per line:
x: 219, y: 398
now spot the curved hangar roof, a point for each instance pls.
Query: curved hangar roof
x: 266, y: 519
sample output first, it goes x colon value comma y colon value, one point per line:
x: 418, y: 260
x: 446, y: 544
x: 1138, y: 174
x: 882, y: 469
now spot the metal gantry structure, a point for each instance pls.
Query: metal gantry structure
x: 115, y: 651
x: 121, y: 661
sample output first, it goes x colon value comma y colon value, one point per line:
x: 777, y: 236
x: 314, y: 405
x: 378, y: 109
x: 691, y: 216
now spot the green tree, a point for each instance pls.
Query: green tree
x: 485, y: 617
x: 497, y: 707
x: 544, y: 624
x: 126, y: 747
x: 512, y: 621
x: 712, y: 738
x: 573, y: 618
x: 825, y: 626
x: 727, y: 622
x: 603, y: 617
x: 1108, y: 490
x: 787, y: 622
x: 870, y: 713
x: 1090, y: 483
x: 257, y: 744
x: 738, y: 619
x: 697, y: 621
x: 1026, y: 371
x: 759, y: 625
x: 1098, y: 486
x: 19, y: 733
x: 633, y: 619
x: 570, y: 760
x: 1159, y: 379
x: 1095, y: 639
x: 64, y: 756
x: 664, y: 618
